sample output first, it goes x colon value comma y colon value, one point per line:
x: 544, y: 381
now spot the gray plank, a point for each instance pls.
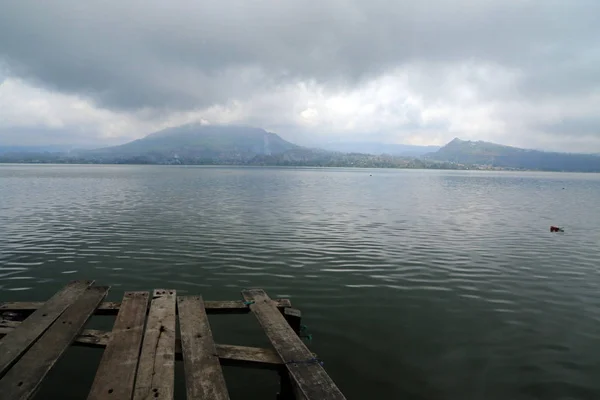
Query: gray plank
x: 112, y: 307
x: 293, y: 316
x: 22, y: 380
x: 240, y: 356
x: 309, y: 378
x: 14, y: 345
x: 250, y: 357
x: 237, y: 306
x: 156, y: 368
x: 203, y: 374
x: 116, y: 374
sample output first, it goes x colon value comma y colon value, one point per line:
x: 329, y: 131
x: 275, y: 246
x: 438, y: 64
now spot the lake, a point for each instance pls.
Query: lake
x: 414, y: 284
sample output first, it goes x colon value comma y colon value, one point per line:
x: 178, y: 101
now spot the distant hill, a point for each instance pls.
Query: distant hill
x: 220, y: 145
x: 486, y: 153
x: 376, y: 148
x: 240, y: 145
x: 196, y: 143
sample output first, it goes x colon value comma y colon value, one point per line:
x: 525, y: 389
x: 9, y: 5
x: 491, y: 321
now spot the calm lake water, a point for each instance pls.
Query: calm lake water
x: 414, y: 284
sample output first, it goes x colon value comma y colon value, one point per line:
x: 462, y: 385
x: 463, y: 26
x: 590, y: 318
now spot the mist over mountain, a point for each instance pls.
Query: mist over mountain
x: 376, y: 148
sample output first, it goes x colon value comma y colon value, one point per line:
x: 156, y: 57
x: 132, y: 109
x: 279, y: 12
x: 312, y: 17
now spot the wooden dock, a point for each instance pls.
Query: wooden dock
x: 140, y: 352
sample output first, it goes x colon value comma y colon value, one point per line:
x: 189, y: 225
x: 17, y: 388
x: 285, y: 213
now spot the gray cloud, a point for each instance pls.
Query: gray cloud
x: 193, y: 55
x: 584, y: 126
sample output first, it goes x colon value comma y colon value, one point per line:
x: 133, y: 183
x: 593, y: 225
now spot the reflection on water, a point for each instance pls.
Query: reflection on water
x: 415, y: 284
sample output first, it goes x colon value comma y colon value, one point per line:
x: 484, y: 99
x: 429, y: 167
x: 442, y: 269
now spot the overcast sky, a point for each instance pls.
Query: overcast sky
x: 517, y: 72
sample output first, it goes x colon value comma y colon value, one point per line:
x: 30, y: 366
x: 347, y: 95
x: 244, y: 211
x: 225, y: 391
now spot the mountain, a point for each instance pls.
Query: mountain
x: 195, y: 143
x: 224, y: 145
x: 496, y: 155
x: 379, y: 148
x: 239, y: 145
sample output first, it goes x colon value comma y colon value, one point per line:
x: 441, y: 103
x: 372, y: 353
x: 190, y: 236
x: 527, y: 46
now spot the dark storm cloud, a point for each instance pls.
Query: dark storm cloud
x: 184, y: 54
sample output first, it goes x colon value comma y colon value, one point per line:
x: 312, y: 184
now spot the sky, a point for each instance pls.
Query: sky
x: 517, y: 72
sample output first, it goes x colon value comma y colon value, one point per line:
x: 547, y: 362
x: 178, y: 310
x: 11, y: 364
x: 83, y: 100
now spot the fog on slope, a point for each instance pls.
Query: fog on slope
x: 379, y: 148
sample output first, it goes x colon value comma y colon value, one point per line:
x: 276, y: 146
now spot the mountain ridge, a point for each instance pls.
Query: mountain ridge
x: 194, y: 142
x: 502, y: 156
x: 198, y: 144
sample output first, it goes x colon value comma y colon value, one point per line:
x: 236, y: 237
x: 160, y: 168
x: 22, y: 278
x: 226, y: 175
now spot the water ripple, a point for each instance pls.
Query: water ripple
x: 451, y: 278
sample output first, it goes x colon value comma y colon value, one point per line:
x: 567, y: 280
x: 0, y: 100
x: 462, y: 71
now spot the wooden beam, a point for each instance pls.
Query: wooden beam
x: 15, y: 344
x: 22, y: 380
x: 24, y: 308
x: 293, y: 316
x: 203, y: 374
x: 229, y: 355
x: 309, y: 379
x: 116, y: 373
x: 156, y: 369
x: 253, y: 357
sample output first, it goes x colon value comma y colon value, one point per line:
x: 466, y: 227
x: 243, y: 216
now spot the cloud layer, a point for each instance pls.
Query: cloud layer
x: 516, y: 72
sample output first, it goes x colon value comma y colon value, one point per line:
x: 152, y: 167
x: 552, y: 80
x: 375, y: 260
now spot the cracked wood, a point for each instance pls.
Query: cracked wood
x: 22, y: 380
x: 116, y: 373
x: 203, y: 374
x: 156, y: 368
x: 14, y: 345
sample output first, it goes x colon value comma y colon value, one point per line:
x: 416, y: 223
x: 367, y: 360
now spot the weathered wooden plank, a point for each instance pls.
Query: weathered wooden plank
x: 253, y: 357
x: 15, y: 344
x: 308, y: 376
x: 156, y: 368
x: 7, y: 326
x: 116, y: 374
x: 22, y: 380
x: 112, y: 308
x: 203, y: 374
x: 237, y: 306
x: 293, y: 316
x: 229, y: 355
x: 92, y: 338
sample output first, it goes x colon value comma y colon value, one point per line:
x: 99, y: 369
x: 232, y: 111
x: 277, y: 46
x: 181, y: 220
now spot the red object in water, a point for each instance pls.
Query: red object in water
x: 555, y: 229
